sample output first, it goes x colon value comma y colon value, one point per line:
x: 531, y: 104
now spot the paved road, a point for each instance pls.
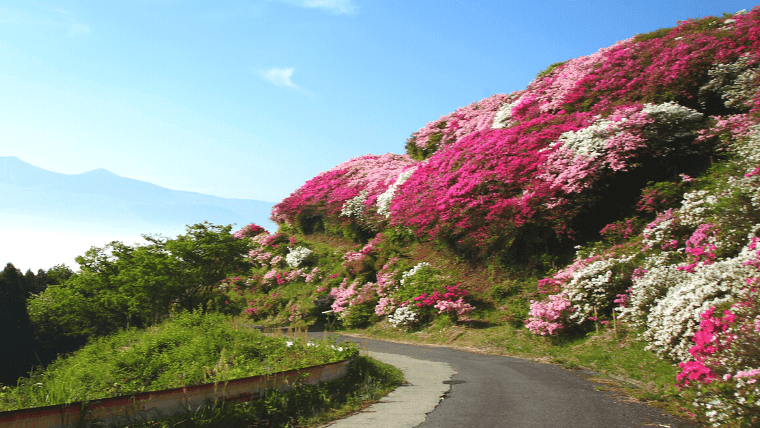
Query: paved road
x: 495, y: 391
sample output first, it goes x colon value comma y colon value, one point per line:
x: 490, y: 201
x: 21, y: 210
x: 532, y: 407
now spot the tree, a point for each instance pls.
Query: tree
x: 16, y: 332
x: 205, y: 255
x: 120, y: 286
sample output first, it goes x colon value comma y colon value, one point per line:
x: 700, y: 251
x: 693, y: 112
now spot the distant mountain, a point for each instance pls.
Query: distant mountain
x: 104, y: 199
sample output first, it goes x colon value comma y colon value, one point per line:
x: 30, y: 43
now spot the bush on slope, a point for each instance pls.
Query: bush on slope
x: 646, y: 153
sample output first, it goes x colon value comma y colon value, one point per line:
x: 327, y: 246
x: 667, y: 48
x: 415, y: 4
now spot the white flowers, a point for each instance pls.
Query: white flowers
x: 674, y: 318
x: 589, y: 142
x: 297, y: 255
x: 411, y: 272
x: 596, y: 285
x: 384, y: 200
x: 733, y: 82
x: 501, y: 118
x: 354, y: 207
x: 403, y: 316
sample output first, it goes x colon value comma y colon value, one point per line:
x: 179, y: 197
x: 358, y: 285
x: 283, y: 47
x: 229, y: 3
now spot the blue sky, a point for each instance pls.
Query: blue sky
x: 250, y: 99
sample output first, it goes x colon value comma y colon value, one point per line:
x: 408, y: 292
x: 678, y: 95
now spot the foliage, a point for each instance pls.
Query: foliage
x: 15, y: 327
x: 189, y: 349
x: 367, y: 380
x: 638, y: 165
x: 120, y: 285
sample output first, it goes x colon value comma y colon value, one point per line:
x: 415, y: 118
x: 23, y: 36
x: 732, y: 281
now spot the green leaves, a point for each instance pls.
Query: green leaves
x: 122, y: 285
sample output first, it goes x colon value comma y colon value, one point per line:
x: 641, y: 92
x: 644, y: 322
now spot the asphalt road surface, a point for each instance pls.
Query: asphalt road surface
x: 495, y: 391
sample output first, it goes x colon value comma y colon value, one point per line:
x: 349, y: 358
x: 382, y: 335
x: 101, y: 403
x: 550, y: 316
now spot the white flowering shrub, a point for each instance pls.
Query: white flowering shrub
x: 674, y: 318
x: 403, y: 316
x: 385, y: 198
x: 354, y: 207
x: 733, y: 83
x: 669, y: 123
x: 297, y: 256
x: 597, y: 285
x: 502, y: 116
x: 697, y: 207
x: 413, y: 271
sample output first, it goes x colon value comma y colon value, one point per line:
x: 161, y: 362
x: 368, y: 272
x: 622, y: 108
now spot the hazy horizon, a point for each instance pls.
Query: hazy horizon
x: 49, y: 218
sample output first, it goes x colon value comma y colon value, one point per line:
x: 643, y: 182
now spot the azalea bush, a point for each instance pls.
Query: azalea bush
x: 635, y: 168
x: 406, y: 297
x: 343, y: 199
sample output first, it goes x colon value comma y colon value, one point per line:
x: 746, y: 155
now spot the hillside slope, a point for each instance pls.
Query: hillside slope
x: 637, y: 168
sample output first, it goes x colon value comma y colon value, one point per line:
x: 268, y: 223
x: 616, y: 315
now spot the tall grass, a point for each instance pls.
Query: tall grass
x: 305, y: 406
x: 188, y: 349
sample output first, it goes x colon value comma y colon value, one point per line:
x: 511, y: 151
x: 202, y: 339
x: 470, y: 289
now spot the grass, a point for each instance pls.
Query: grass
x: 187, y: 350
x: 306, y: 406
x: 195, y: 348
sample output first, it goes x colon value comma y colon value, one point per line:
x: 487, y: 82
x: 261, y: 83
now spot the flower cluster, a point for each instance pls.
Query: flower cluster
x: 450, y: 301
x: 449, y: 128
x: 249, y: 231
x: 548, y: 317
x: 347, y: 190
x: 403, y: 316
x: 297, y: 256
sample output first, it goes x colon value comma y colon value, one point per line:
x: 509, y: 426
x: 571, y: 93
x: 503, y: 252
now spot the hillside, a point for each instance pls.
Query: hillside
x: 618, y: 190
x: 605, y: 217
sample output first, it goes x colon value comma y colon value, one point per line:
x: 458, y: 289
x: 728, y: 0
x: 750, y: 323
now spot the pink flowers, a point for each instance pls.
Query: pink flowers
x: 708, y: 341
x: 548, y: 317
x: 330, y: 190
x: 445, y: 302
x: 249, y: 231
x: 447, y: 130
x: 701, y: 247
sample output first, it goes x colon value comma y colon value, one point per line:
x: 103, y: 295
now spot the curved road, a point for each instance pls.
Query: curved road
x: 495, y: 391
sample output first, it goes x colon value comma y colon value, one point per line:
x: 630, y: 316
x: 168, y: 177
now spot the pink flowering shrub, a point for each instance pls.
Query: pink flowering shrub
x: 347, y: 193
x: 478, y: 116
x: 451, y: 301
x: 726, y: 362
x: 658, y: 197
x: 701, y: 246
x: 354, y: 303
x: 546, y: 318
x: 621, y: 230
x: 709, y: 340
x: 249, y: 231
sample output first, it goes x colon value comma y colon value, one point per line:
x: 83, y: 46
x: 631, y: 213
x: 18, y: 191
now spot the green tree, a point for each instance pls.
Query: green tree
x: 16, y: 333
x: 121, y: 286
x: 205, y: 255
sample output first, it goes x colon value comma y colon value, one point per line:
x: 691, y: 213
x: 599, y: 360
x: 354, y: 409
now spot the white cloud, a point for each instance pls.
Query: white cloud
x: 281, y: 77
x: 334, y: 6
x: 77, y: 29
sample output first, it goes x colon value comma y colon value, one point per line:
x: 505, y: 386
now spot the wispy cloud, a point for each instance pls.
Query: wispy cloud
x: 78, y: 29
x: 334, y: 6
x: 280, y: 77
x: 75, y: 29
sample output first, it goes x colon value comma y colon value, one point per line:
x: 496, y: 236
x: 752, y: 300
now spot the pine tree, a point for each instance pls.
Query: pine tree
x: 16, y: 332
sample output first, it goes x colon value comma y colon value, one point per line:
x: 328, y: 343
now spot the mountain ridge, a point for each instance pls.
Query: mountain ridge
x: 105, y: 197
